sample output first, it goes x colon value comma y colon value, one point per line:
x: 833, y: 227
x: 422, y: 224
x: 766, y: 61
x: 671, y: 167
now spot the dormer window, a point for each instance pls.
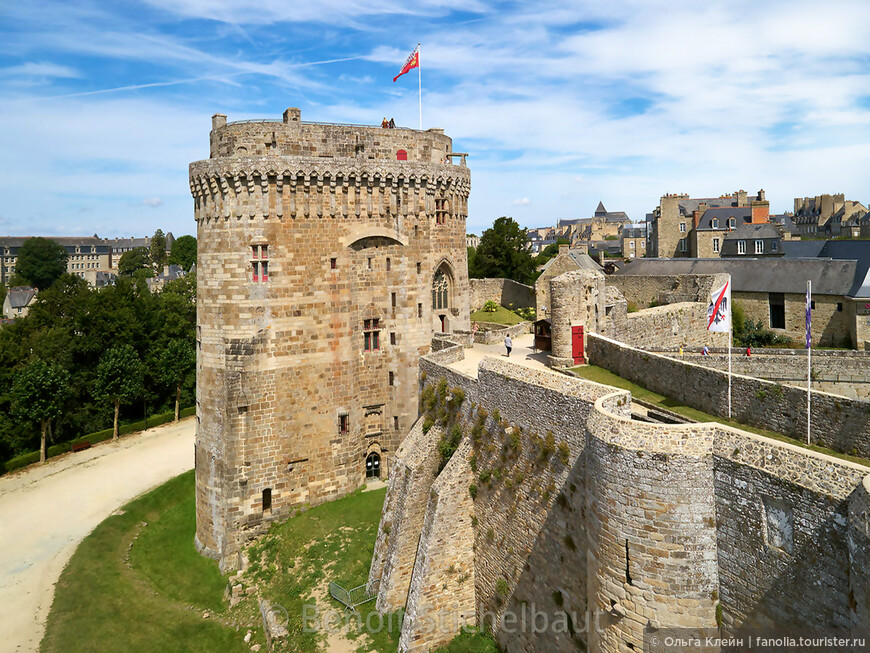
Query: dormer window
x: 732, y: 223
x: 714, y: 223
x: 260, y: 263
x: 682, y: 227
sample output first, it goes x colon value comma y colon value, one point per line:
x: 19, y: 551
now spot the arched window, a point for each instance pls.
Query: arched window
x: 440, y: 291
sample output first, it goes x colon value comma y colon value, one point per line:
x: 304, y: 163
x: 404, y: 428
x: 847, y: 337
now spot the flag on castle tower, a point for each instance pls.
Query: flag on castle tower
x: 719, y: 310
x: 412, y: 62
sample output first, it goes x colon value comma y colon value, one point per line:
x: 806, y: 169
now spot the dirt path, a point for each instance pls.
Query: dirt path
x: 45, y: 511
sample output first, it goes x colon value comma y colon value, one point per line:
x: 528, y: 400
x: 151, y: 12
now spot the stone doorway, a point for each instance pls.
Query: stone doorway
x: 373, y: 465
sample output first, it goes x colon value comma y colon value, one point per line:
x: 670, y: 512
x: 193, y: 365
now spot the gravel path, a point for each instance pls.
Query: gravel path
x: 45, y: 511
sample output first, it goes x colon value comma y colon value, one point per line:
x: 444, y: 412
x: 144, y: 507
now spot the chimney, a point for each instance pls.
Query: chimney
x: 601, y: 257
x: 741, y: 197
x: 760, y: 211
x: 563, y: 249
x: 218, y: 120
x: 583, y: 249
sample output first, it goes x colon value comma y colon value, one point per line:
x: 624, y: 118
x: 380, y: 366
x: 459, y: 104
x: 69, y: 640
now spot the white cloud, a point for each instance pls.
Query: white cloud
x: 523, y: 201
x: 39, y: 69
x: 153, y: 202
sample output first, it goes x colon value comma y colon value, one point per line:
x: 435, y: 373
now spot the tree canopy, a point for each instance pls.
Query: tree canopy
x: 40, y: 262
x: 38, y: 394
x: 503, y: 252
x: 157, y: 250
x: 136, y: 259
x: 183, y: 252
x: 550, y: 251
x: 119, y: 378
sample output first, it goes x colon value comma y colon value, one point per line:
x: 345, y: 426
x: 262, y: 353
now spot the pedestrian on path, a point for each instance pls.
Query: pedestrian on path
x: 508, y: 345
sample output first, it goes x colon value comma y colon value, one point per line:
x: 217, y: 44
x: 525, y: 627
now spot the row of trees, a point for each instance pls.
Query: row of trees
x: 86, y: 358
x: 147, y: 261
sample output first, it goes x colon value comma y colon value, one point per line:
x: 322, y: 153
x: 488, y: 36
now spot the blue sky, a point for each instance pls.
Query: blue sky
x: 559, y: 104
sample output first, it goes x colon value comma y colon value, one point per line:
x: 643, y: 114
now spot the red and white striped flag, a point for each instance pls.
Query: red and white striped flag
x: 412, y: 62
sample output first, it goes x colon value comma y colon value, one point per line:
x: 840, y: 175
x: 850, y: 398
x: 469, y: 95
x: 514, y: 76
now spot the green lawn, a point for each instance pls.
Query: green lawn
x: 601, y: 375
x: 103, y: 604
x: 151, y: 596
x: 500, y: 316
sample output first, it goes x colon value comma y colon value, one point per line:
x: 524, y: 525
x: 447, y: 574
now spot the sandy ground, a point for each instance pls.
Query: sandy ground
x: 45, y: 511
x: 521, y: 354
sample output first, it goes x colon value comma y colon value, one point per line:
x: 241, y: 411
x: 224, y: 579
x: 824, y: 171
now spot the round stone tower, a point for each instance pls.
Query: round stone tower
x: 328, y: 257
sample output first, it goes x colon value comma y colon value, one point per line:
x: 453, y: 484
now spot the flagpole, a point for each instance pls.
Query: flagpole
x: 420, y: 84
x: 730, y: 336
x: 809, y: 352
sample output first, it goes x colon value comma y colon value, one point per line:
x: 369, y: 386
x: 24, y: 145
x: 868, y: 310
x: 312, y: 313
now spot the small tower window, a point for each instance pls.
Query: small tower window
x: 333, y: 263
x: 343, y: 423
x: 267, y: 500
x: 389, y: 264
x: 392, y: 378
x: 441, y: 210
x: 371, y: 334
x: 260, y: 263
x: 440, y: 291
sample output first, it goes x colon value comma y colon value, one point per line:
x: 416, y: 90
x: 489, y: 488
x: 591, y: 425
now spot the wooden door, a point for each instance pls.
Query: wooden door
x: 577, y: 345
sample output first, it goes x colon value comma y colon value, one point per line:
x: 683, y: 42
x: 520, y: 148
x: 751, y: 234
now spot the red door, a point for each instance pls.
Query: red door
x: 577, y: 345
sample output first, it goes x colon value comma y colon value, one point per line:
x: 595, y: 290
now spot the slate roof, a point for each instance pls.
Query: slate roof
x: 753, y: 232
x: 741, y: 214
x: 802, y: 248
x: 583, y: 261
x: 829, y: 277
x: 21, y: 296
x: 688, y: 206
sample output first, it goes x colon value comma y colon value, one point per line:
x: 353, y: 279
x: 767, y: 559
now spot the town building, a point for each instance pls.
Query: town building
x: 18, y: 300
x: 828, y: 215
x: 328, y: 256
x: 633, y: 240
x: 472, y: 241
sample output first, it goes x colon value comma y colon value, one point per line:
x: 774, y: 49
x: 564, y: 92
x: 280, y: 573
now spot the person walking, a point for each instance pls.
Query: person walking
x: 705, y: 351
x: 508, y: 345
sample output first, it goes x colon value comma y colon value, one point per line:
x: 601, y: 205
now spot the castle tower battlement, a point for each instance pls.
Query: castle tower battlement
x: 328, y: 257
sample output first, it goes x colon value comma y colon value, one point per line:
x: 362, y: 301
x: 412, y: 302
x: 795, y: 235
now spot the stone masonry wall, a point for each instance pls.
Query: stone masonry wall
x: 643, y: 290
x: 672, y: 325
x: 413, y: 472
x: 503, y: 292
x: 584, y: 518
x: 441, y: 598
x: 497, y: 335
x: 831, y: 327
x: 845, y: 373
x: 839, y: 423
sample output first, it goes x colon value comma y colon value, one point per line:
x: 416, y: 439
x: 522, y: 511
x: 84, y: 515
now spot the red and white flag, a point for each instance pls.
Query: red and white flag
x: 412, y: 62
x: 719, y: 310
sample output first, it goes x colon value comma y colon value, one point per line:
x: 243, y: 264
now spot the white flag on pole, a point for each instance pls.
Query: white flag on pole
x: 719, y: 310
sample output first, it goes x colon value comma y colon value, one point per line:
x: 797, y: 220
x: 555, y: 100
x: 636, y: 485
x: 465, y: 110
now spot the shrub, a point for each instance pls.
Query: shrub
x: 631, y: 307
x: 472, y: 490
x: 564, y: 452
x: 472, y: 462
x: 427, y: 424
x: 458, y: 396
x: 484, y: 476
x: 502, y: 587
x: 514, y: 440
x: 490, y: 306
x: 448, y: 444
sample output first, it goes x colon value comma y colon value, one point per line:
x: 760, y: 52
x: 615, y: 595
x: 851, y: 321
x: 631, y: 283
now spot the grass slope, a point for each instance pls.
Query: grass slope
x: 501, y: 316
x: 601, y: 375
x: 135, y: 588
x: 102, y: 604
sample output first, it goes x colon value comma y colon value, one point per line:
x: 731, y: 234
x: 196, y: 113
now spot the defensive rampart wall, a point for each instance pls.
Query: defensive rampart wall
x: 839, y: 423
x: 503, y: 292
x: 602, y: 530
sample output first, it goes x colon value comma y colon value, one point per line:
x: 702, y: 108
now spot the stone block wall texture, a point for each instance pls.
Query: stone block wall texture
x: 839, y: 423
x: 642, y: 526
x: 413, y: 472
x: 666, y: 288
x: 652, y: 534
x: 672, y: 325
x: 831, y: 327
x: 845, y: 373
x: 559, y: 265
x: 441, y: 598
x: 576, y: 298
x: 351, y: 234
x: 497, y: 335
x: 502, y: 291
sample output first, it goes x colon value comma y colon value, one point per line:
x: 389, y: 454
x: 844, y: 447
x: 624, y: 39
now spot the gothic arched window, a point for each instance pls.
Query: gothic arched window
x: 440, y: 291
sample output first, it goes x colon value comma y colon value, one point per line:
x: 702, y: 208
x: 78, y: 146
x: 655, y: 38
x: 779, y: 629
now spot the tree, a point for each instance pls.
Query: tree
x: 174, y: 365
x: 41, y: 262
x: 135, y: 259
x: 158, y: 250
x: 119, y: 378
x: 503, y: 252
x: 183, y: 252
x: 38, y: 394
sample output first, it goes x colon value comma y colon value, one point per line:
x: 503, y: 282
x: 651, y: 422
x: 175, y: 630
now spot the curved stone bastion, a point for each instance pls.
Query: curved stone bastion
x: 560, y: 523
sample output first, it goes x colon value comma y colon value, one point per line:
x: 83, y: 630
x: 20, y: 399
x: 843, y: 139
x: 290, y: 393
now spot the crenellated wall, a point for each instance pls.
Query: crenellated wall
x: 608, y: 529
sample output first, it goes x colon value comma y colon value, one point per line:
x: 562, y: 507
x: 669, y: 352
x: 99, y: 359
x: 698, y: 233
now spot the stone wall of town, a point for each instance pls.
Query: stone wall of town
x: 644, y: 290
x: 839, y: 423
x: 832, y: 322
x: 503, y: 292
x: 845, y: 373
x: 290, y: 400
x: 579, y: 510
x: 577, y: 298
x: 497, y: 332
x: 441, y: 598
x: 672, y: 325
